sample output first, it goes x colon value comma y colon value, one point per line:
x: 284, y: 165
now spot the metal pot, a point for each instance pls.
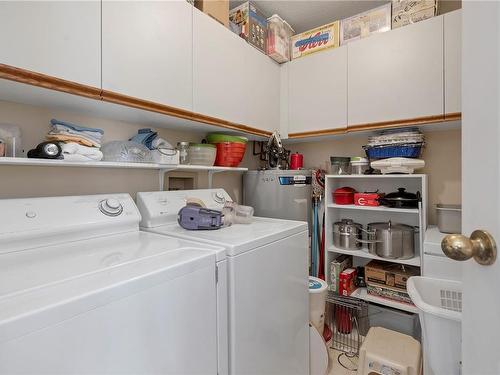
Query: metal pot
x: 346, y: 234
x: 391, y: 240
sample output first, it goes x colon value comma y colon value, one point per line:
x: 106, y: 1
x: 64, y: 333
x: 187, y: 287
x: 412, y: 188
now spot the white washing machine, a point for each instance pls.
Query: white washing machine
x: 84, y: 291
x: 267, y: 281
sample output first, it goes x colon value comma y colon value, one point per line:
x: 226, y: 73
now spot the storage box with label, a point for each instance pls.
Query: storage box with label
x: 389, y: 274
x: 217, y: 9
x: 315, y: 40
x: 361, y: 25
x: 346, y: 282
x: 384, y: 291
x: 279, y: 34
x: 253, y: 24
x: 338, y: 265
x: 405, y: 12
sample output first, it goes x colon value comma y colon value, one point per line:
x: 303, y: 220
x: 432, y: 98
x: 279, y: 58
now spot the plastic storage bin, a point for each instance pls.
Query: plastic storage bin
x: 317, y: 301
x: 201, y: 154
x: 440, y: 304
x: 449, y: 218
x: 279, y: 34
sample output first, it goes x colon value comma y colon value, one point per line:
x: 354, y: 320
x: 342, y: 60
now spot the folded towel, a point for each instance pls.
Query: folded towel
x: 73, y: 148
x: 72, y: 138
x: 75, y: 127
x: 60, y: 129
x: 77, y: 157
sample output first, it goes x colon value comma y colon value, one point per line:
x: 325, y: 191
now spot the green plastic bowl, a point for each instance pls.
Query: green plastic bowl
x: 219, y: 138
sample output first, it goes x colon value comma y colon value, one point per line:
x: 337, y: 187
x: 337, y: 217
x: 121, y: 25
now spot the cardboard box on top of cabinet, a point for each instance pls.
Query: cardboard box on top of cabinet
x: 315, y: 40
x: 252, y: 22
x: 405, y: 12
x: 377, y: 20
x: 217, y: 9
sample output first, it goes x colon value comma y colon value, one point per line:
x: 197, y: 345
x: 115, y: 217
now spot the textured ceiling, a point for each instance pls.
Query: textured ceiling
x: 303, y: 15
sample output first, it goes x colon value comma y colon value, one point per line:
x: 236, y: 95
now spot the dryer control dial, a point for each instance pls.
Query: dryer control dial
x: 111, y: 207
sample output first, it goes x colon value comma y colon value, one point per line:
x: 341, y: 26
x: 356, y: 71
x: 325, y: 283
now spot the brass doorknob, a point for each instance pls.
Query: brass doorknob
x: 481, y: 246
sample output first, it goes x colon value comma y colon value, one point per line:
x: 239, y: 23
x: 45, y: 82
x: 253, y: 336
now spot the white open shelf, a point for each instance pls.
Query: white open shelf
x: 363, y: 253
x: 362, y: 293
x: 365, y: 215
x: 110, y: 164
x: 373, y: 208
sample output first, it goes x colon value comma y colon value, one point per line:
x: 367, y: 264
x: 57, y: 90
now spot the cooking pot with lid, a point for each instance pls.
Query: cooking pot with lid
x: 391, y: 240
x: 346, y: 234
x: 401, y: 199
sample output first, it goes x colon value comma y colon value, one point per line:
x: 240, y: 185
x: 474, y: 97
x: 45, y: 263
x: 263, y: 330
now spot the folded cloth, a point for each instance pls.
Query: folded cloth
x: 76, y: 127
x: 75, y: 149
x: 59, y: 129
x: 77, y: 134
x: 145, y: 137
x: 77, y: 157
x: 72, y: 138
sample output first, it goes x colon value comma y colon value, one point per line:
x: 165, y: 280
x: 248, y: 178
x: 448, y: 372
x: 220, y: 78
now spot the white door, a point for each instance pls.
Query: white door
x: 317, y: 92
x: 481, y: 182
x: 58, y: 38
x: 147, y: 50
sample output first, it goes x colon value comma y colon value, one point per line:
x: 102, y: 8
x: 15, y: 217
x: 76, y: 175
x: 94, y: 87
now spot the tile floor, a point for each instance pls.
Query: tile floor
x: 336, y: 368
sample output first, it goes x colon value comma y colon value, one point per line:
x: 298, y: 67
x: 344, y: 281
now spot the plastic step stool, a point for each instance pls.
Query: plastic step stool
x: 389, y: 353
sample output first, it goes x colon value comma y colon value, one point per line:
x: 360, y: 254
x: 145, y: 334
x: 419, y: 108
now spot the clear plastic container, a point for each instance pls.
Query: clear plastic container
x: 126, y: 152
x: 202, y: 154
x: 340, y: 165
x: 359, y: 165
x: 279, y: 34
x: 11, y: 140
x: 237, y: 214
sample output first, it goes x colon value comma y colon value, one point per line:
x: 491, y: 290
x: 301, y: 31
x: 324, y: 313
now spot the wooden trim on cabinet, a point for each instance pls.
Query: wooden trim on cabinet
x: 419, y: 121
x: 28, y: 77
x: 53, y: 83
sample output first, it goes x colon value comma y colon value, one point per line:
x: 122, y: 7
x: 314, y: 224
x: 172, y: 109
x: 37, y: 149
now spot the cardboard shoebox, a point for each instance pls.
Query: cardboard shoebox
x: 217, y: 9
x: 389, y: 274
x: 394, y: 294
x: 315, y: 40
x: 361, y: 25
x: 338, y: 265
x: 250, y: 23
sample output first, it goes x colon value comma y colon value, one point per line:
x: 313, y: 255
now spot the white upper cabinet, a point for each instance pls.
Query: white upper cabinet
x: 397, y: 75
x: 317, y: 91
x: 231, y: 79
x: 56, y: 38
x: 147, y: 50
x: 452, y: 62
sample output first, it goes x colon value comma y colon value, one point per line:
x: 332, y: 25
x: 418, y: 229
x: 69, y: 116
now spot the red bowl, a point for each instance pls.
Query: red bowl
x: 229, y: 154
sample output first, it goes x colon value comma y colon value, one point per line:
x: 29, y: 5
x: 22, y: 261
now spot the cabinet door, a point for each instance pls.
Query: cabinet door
x: 452, y: 62
x: 317, y: 91
x: 397, y: 75
x: 57, y: 38
x: 147, y: 50
x: 231, y: 79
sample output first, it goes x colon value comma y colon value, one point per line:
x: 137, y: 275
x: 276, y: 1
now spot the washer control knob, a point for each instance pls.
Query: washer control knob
x: 219, y: 197
x: 111, y: 207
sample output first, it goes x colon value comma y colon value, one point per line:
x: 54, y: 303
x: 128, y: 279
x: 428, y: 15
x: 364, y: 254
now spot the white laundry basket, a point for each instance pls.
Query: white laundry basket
x: 440, y: 305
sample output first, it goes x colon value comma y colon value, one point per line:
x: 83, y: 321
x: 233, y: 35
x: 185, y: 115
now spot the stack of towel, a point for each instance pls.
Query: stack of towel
x: 78, y: 143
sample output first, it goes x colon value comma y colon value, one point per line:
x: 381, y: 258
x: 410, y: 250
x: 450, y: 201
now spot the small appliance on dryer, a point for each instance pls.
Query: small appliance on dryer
x: 267, y: 280
x: 84, y: 291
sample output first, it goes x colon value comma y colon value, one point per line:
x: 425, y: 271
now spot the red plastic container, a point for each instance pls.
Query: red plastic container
x: 366, y: 199
x: 344, y: 195
x: 296, y: 161
x: 229, y: 154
